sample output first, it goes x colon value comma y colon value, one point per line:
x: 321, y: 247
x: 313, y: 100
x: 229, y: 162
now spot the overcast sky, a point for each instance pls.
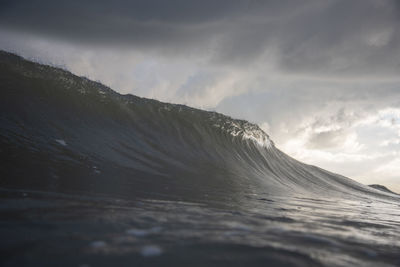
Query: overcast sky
x: 322, y: 78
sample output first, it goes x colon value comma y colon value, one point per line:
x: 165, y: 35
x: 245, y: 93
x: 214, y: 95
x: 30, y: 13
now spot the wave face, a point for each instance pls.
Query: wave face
x: 73, y: 150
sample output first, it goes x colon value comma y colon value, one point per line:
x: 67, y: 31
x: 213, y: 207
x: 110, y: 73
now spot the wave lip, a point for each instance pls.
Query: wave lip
x: 247, y: 131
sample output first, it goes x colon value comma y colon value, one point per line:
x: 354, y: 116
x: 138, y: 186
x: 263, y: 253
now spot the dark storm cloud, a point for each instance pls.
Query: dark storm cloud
x: 148, y: 22
x: 356, y: 36
x: 319, y: 37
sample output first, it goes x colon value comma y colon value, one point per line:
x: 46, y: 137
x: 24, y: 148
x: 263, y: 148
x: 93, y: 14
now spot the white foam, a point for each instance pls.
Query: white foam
x: 260, y: 139
x: 61, y: 142
x: 245, y: 130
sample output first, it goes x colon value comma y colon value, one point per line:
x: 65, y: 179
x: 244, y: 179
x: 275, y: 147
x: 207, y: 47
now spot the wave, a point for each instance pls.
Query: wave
x: 64, y: 133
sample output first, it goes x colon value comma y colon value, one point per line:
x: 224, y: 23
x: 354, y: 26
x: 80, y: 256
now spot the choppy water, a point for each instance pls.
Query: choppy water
x: 90, y: 177
x: 41, y: 229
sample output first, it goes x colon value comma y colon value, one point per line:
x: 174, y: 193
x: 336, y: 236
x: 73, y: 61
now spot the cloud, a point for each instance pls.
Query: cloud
x: 390, y: 169
x: 328, y: 38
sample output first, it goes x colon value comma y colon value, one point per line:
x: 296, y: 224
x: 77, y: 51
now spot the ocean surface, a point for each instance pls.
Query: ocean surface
x: 90, y: 177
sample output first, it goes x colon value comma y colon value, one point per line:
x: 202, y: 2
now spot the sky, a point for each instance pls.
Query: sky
x: 322, y: 78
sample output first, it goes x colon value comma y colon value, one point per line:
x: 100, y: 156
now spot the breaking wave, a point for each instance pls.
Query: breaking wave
x: 60, y: 132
